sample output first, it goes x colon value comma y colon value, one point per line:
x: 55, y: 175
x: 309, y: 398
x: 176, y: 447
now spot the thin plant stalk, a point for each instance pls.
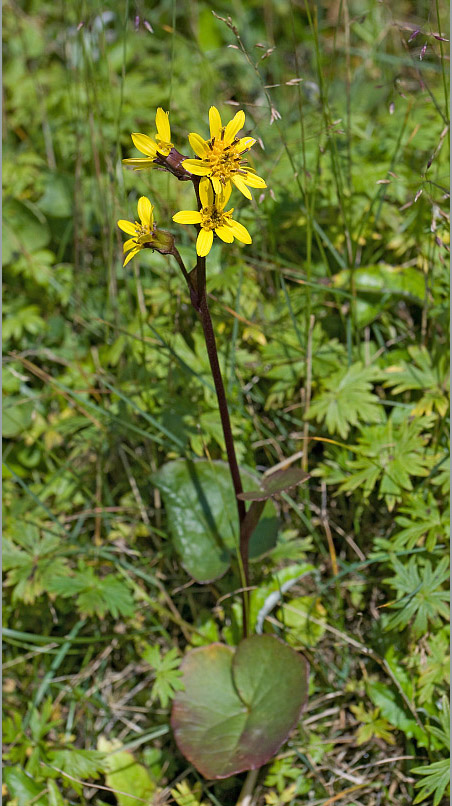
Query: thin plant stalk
x: 196, y: 282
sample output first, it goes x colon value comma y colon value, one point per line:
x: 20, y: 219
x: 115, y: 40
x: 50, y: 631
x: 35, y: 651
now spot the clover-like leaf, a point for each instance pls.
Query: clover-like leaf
x: 238, y: 706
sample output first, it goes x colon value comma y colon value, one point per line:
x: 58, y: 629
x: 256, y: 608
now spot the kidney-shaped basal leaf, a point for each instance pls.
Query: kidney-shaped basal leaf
x: 238, y: 707
x: 202, y: 516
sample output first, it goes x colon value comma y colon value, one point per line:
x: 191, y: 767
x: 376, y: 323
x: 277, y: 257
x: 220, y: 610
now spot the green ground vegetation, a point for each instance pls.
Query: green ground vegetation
x: 332, y: 330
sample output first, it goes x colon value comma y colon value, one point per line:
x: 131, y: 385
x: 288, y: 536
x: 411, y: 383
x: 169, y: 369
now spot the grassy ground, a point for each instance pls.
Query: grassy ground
x: 331, y: 325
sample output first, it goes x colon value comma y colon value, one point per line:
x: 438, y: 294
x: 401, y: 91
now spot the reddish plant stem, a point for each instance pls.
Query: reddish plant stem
x: 196, y: 282
x: 211, y: 345
x: 209, y: 335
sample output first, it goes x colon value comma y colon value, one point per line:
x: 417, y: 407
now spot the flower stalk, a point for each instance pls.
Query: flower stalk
x: 198, y: 298
x: 212, y: 352
x: 219, y: 165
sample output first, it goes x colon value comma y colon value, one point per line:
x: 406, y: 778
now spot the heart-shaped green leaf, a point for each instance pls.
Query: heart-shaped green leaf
x: 202, y: 516
x: 238, y: 707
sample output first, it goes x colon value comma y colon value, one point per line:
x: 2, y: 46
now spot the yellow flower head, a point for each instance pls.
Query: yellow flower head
x: 213, y: 218
x: 221, y: 157
x: 152, y: 148
x: 142, y: 232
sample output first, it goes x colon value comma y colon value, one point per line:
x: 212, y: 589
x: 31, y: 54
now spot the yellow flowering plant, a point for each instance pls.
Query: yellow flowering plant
x: 218, y: 168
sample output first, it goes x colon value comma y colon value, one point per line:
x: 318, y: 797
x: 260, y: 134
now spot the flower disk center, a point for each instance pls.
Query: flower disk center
x: 224, y: 160
x: 142, y: 229
x: 212, y: 218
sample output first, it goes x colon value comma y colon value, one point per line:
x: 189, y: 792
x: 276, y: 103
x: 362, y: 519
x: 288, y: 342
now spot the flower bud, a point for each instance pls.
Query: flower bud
x: 161, y: 241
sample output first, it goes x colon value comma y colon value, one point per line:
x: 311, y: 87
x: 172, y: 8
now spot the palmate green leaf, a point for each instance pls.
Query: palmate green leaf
x: 393, y: 708
x: 283, y: 770
x: 167, y: 673
x: 11, y: 728
x: 436, y: 779
x: 423, y: 523
x: 390, y: 454
x: 95, y: 595
x: 424, y: 372
x: 422, y: 596
x: 20, y: 319
x: 373, y: 725
x: 346, y: 400
x: 425, y: 520
x: 435, y: 670
x: 32, y: 567
x: 441, y: 478
x: 79, y: 763
x: 436, y: 776
x: 443, y: 733
x: 41, y: 722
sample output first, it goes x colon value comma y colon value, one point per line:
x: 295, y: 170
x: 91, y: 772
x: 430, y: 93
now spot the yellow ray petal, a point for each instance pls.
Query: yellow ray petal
x: 240, y: 185
x: 145, y: 209
x: 206, y: 193
x: 129, y: 244
x: 204, y: 242
x: 144, y: 144
x: 127, y: 226
x: 198, y: 144
x: 225, y: 233
x: 146, y: 238
x: 217, y: 186
x: 239, y: 231
x: 140, y: 162
x: 225, y: 195
x: 131, y: 255
x: 187, y: 217
x: 197, y: 167
x: 234, y: 126
x: 245, y: 143
x: 215, y: 121
x: 162, y: 124
x: 254, y: 181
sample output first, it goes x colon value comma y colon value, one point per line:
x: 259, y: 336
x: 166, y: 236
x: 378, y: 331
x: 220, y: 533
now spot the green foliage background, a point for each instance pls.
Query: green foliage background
x: 332, y: 325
